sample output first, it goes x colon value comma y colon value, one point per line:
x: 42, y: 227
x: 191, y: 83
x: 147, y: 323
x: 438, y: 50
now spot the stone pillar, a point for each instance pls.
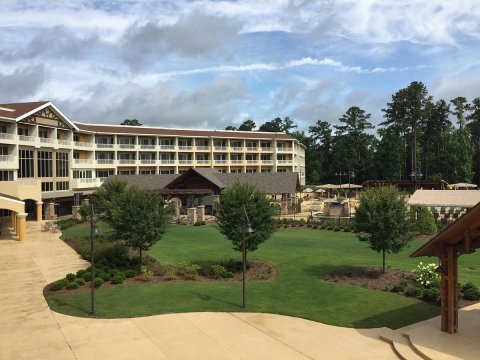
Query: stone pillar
x: 177, y: 204
x: 76, y: 212
x: 50, y: 211
x: 22, y: 226
x: 201, y: 213
x: 191, y: 216
x: 12, y: 220
x: 39, y: 211
x: 85, y: 201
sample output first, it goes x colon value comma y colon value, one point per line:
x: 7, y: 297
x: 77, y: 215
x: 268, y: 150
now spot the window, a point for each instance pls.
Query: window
x: 220, y: 143
x: 201, y: 142
x: 76, y: 155
x: 236, y: 144
x: 26, y: 164
x: 22, y: 131
x: 82, y: 174
x: 251, y: 144
x: 126, y: 141
x: 104, y: 173
x: 281, y: 170
x: 184, y: 142
x: 251, y: 170
x: 167, y: 142
x: 76, y: 137
x: 266, y: 170
x: 147, y: 172
x: 164, y: 172
x: 44, y: 162
x: 47, y: 186
x: 3, y: 128
x: 126, y: 172
x: 43, y: 133
x: 3, y: 150
x: 62, y: 186
x: 147, y: 141
x: 62, y: 164
x: 265, y: 144
x: 6, y: 175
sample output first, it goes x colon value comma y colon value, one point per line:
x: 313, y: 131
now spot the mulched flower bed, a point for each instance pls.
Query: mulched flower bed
x: 258, y: 271
x: 373, y: 279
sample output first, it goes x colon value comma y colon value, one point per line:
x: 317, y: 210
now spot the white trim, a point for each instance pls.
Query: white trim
x: 43, y: 107
x: 12, y: 200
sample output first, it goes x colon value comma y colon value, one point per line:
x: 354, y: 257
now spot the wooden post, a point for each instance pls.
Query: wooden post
x: 448, y: 291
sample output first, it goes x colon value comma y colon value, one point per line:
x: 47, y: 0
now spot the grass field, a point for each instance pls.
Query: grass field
x: 301, y: 256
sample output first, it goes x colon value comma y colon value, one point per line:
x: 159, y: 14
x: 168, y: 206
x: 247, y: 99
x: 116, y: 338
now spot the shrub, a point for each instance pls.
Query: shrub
x: 470, y: 291
x: 146, y: 272
x: 66, y: 223
x: 189, y: 270
x: 58, y: 285
x: 218, y: 271
x: 199, y: 223
x: 72, y: 286
x: 80, y: 281
x: 86, y: 276
x: 97, y: 282
x: 70, y: 277
x: 426, y: 222
x: 80, y: 273
x: 105, y: 276
x: 426, y: 275
x: 130, y: 273
x: 414, y: 291
x: 228, y: 274
x: 117, y: 279
x: 431, y: 294
x: 170, y: 274
x: 398, y: 288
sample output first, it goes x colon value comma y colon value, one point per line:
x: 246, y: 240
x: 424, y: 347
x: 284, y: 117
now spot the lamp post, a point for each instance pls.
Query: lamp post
x: 351, y: 175
x: 246, y: 230
x: 340, y: 174
x: 93, y: 231
x: 414, y: 175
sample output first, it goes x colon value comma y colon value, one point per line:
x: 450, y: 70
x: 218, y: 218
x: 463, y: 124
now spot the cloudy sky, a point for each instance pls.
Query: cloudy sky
x: 208, y: 64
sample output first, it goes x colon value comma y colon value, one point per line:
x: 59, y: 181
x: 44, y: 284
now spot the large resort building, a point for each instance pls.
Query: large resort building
x: 47, y: 161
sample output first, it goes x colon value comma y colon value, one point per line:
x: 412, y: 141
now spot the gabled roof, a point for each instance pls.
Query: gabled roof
x: 19, y: 111
x: 147, y: 182
x: 208, y: 173
x: 455, y: 198
x: 466, y: 227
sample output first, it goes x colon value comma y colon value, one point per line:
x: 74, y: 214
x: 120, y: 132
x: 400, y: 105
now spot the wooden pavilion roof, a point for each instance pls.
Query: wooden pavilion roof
x: 464, y: 234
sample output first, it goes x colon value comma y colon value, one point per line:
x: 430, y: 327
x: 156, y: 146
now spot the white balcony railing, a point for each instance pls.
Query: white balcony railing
x: 267, y: 149
x: 167, y: 161
x: 147, y: 146
x: 203, y: 148
x: 185, y: 161
x: 7, y: 158
x: 185, y: 147
x: 126, y: 161
x: 252, y: 149
x: 252, y: 161
x: 284, y: 162
x: 46, y: 140
x: 236, y: 161
x: 105, y: 161
x: 6, y: 136
x: 83, y: 144
x: 64, y: 142
x: 203, y: 162
x: 104, y: 146
x: 236, y: 148
x: 267, y: 162
x: 25, y: 138
x: 220, y: 148
x: 82, y: 161
x: 167, y: 147
x: 126, y: 146
x: 284, y: 149
x: 148, y: 161
x: 220, y: 161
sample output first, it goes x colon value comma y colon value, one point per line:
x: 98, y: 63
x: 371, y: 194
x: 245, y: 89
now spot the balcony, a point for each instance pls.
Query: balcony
x: 255, y: 161
x: 147, y: 146
x: 104, y: 146
x: 237, y: 161
x: 64, y: 142
x: 203, y: 148
x: 6, y: 136
x: 82, y: 161
x: 23, y: 189
x: 267, y: 149
x: 252, y: 149
x: 203, y: 162
x: 85, y: 183
x: 284, y: 149
x: 167, y: 147
x: 8, y: 162
x: 126, y: 161
x: 284, y: 162
x: 126, y: 146
x: 47, y: 140
x: 185, y: 148
x: 220, y: 148
x: 24, y: 138
x: 183, y: 162
x: 83, y: 144
x: 236, y: 148
x: 220, y: 161
x: 105, y: 161
x: 167, y: 161
x: 148, y: 161
x: 267, y: 162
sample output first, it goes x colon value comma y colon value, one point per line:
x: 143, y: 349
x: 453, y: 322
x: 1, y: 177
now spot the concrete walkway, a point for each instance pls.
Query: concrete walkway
x: 29, y: 330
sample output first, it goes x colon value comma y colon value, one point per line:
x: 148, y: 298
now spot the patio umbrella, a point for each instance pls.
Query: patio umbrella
x: 307, y: 190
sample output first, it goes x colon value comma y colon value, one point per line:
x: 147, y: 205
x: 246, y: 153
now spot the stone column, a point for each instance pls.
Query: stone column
x: 191, y: 216
x: 50, y: 211
x: 12, y: 220
x: 39, y: 211
x: 22, y: 226
x: 76, y: 212
x: 201, y: 213
x: 85, y: 201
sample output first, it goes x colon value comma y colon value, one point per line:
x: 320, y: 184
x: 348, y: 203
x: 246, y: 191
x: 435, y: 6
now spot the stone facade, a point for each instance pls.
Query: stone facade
x: 191, y: 216
x: 201, y: 213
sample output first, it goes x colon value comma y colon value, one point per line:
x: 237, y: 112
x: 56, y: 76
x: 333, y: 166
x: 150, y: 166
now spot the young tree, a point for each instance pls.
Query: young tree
x: 381, y: 220
x: 131, y: 122
x: 261, y: 213
x: 103, y: 198
x: 247, y: 125
x: 139, y: 218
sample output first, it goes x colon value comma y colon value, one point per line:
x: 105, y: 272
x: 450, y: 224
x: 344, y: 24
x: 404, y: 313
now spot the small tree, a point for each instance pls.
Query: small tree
x: 131, y: 122
x: 426, y: 222
x: 260, y: 211
x: 381, y: 220
x: 139, y: 218
x: 103, y: 198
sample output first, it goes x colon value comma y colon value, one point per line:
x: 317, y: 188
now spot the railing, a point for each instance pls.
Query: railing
x: 284, y: 149
x: 102, y: 179
x: 126, y: 146
x: 236, y: 161
x: 220, y: 148
x: 267, y: 161
x: 253, y: 149
x: 105, y: 161
x: 148, y: 161
x: 252, y: 161
x: 87, y: 180
x: 220, y: 161
x: 25, y: 138
x: 7, y: 158
x: 126, y: 161
x: 83, y: 144
x: 46, y: 140
x: 203, y: 148
x: 104, y: 146
x: 203, y: 162
x: 147, y: 146
x: 267, y: 149
x: 168, y: 161
x: 7, y: 136
x: 185, y: 147
x: 27, y: 182
x: 82, y: 161
x: 185, y: 161
x: 284, y: 162
x: 167, y: 147
x: 236, y: 148
x: 64, y: 142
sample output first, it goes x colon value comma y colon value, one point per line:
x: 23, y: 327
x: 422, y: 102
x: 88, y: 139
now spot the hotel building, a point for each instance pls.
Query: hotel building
x: 46, y: 159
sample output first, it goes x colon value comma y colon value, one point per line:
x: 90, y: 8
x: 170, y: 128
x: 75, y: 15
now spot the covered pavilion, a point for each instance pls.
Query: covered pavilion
x: 461, y: 237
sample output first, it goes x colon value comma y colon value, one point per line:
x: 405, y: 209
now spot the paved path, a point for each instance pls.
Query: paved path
x: 29, y: 330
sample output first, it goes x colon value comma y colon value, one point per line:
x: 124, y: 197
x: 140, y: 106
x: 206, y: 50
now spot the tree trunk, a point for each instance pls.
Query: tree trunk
x: 383, y: 266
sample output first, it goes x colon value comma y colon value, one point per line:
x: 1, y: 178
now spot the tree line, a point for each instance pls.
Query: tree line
x: 416, y: 140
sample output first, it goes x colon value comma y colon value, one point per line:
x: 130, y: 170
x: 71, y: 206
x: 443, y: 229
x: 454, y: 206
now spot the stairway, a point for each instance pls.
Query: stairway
x: 402, y: 346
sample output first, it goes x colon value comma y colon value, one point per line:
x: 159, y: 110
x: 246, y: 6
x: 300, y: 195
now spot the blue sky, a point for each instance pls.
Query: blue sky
x: 208, y: 64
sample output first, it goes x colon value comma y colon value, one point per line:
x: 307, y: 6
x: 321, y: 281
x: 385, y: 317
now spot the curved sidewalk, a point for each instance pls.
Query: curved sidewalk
x: 29, y: 330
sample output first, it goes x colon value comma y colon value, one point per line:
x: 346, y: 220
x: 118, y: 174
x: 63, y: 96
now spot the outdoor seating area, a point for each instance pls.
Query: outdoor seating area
x: 50, y: 226
x: 446, y: 215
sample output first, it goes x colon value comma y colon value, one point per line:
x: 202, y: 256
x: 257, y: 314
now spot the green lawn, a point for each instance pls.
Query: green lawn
x: 301, y: 257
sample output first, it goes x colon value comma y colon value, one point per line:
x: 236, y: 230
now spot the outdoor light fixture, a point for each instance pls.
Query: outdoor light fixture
x: 247, y: 230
